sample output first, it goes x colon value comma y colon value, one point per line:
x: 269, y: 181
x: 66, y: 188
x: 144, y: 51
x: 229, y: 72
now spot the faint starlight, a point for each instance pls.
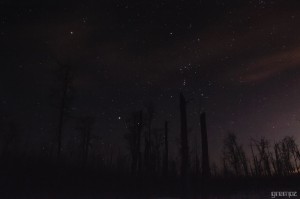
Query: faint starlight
x: 184, y: 82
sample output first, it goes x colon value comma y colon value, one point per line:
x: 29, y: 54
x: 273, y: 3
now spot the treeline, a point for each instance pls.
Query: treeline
x: 281, y: 158
x: 149, y: 145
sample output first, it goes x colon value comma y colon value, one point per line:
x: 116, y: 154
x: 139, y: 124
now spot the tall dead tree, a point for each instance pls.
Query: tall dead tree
x: 184, y: 150
x: 156, y: 157
x: 139, y: 134
x: 135, y: 125
x: 66, y: 80
x: 166, y: 154
x: 85, y: 128
x: 205, y: 157
x: 148, y: 151
x: 197, y: 160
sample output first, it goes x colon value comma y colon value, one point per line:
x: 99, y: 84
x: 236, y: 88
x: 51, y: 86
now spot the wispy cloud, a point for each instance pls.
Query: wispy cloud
x: 270, y: 66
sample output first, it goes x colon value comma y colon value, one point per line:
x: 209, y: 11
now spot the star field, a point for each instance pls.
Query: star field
x: 238, y: 61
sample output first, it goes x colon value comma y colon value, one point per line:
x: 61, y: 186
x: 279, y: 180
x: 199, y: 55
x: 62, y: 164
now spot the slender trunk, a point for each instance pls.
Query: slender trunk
x: 254, y: 160
x: 135, y: 146
x: 197, y: 161
x: 184, y: 140
x: 86, y: 147
x: 147, y: 151
x: 205, y: 157
x: 166, y: 156
x: 62, y: 111
x: 139, y: 132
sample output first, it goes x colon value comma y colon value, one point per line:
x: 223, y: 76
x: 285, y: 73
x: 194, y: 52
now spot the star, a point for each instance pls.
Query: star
x: 184, y: 82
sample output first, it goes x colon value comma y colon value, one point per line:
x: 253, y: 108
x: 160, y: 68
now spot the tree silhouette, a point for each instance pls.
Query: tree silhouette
x: 184, y: 147
x: 166, y: 152
x: 205, y: 157
x: 135, y: 124
x: 85, y: 128
x: 66, y: 80
x: 264, y: 157
x: 234, y: 156
x: 287, y: 150
x: 148, y: 151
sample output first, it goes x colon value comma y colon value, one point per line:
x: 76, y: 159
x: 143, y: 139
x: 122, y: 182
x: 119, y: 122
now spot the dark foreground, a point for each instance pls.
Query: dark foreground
x: 75, y: 183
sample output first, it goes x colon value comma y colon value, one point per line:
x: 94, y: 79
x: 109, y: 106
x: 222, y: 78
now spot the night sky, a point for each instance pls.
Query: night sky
x: 237, y: 60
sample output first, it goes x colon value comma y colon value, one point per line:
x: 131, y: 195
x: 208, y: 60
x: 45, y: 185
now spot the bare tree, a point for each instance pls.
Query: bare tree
x: 256, y: 170
x: 197, y: 160
x: 277, y: 163
x: 205, y: 157
x: 166, y: 152
x: 135, y: 124
x: 293, y: 150
x: 148, y: 163
x: 234, y: 156
x: 66, y: 80
x: 288, y: 149
x: 264, y: 156
x: 184, y: 138
x: 85, y: 128
x: 158, y: 142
